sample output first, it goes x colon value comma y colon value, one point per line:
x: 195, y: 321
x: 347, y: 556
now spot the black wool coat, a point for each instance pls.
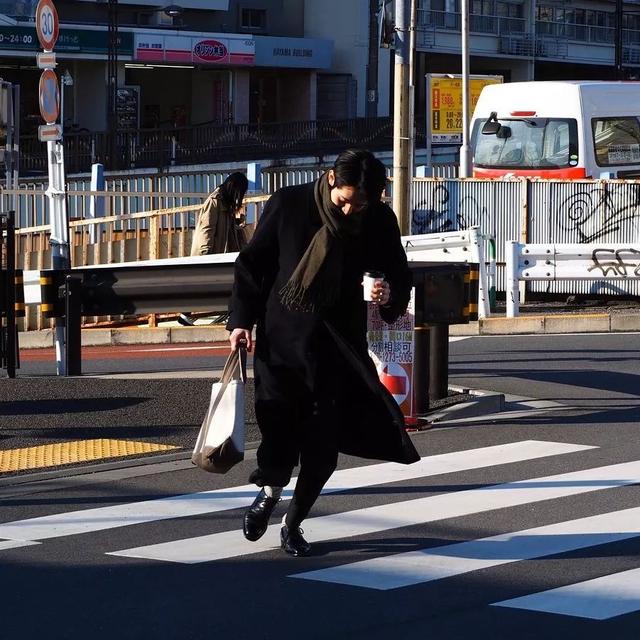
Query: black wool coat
x: 291, y: 342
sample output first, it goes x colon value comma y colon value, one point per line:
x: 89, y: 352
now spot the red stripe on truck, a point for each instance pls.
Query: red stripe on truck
x: 566, y: 173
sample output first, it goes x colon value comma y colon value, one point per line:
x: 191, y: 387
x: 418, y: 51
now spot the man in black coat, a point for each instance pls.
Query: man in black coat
x: 300, y: 282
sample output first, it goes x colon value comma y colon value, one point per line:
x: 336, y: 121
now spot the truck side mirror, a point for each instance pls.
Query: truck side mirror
x: 491, y: 126
x: 503, y: 132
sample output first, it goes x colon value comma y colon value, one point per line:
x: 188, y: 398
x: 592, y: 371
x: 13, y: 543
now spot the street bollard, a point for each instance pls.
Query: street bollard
x: 10, y: 328
x: 439, y: 362
x: 72, y: 310
x: 421, y: 369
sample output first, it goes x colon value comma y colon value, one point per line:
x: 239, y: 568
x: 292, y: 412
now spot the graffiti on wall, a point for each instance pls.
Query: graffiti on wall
x: 600, y: 211
x: 442, y: 211
x: 624, y: 263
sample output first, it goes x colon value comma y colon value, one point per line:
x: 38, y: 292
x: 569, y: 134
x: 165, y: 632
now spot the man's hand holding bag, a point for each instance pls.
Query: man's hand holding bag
x: 220, y: 443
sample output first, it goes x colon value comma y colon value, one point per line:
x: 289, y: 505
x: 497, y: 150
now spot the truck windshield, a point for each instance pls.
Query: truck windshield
x: 527, y: 143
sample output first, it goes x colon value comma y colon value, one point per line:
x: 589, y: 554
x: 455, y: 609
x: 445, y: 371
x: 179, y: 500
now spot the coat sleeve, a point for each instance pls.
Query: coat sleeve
x: 255, y: 270
x: 395, y: 267
x: 205, y: 233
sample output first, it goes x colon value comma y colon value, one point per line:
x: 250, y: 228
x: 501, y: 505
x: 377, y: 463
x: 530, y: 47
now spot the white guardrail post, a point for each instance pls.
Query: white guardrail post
x: 478, y: 255
x: 512, y: 257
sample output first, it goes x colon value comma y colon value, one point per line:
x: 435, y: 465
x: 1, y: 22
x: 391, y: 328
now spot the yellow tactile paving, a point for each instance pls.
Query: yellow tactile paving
x: 59, y: 453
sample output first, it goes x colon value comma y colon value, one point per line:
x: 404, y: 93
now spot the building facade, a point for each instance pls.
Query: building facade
x: 213, y: 61
x: 530, y: 40
x: 266, y: 61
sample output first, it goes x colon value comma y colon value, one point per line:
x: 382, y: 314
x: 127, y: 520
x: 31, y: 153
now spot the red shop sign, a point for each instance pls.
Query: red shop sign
x: 210, y: 50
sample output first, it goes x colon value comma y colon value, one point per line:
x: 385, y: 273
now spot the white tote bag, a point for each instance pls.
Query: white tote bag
x: 220, y: 443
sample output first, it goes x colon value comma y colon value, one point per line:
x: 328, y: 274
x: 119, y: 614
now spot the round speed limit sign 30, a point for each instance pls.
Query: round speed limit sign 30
x: 47, y: 24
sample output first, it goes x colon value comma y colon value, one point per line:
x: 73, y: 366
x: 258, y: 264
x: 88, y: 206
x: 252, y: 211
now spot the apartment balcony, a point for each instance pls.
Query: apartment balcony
x: 528, y: 45
x: 589, y: 44
x: 431, y: 21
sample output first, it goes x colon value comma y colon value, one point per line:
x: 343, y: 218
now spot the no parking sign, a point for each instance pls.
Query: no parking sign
x: 49, y: 96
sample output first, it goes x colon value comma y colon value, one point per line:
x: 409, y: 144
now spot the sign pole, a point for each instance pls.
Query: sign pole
x: 47, y: 29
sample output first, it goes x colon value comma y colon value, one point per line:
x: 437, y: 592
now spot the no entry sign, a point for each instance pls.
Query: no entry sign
x: 47, y: 24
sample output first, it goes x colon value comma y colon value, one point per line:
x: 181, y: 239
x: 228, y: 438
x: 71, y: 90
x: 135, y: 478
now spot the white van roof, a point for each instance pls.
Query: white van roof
x: 560, y: 98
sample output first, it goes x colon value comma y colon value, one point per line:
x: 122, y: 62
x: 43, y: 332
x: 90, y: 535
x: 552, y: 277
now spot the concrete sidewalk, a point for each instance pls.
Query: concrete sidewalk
x: 552, y: 323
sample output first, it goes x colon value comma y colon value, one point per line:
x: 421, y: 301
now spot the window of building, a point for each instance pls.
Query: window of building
x: 616, y: 140
x: 631, y: 26
x: 576, y: 24
x: 253, y: 18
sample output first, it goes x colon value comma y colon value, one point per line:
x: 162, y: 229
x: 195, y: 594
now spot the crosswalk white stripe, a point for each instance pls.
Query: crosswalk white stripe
x: 15, y: 544
x: 426, y: 565
x: 103, y: 518
x: 231, y: 544
x: 598, y: 599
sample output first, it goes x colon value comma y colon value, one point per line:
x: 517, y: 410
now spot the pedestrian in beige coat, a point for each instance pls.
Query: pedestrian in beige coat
x: 217, y: 228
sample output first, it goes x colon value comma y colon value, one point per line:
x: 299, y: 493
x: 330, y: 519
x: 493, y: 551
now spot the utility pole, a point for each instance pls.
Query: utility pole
x: 412, y: 88
x: 401, y: 124
x: 464, y: 149
x: 371, y: 109
x: 618, y: 41
x: 112, y: 82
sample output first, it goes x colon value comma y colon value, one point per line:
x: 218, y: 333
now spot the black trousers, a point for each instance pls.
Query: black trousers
x: 297, y: 426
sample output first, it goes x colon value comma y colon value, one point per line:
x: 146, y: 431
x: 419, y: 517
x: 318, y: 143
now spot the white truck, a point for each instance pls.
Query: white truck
x: 563, y: 130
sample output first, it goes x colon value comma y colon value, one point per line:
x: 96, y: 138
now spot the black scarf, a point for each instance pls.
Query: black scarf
x: 315, y: 283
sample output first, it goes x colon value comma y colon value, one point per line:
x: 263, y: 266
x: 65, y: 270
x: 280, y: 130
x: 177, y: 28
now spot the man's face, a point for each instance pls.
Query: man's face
x: 345, y: 198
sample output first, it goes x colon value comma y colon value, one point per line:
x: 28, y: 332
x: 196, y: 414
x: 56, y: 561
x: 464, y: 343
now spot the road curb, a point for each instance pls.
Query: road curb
x: 527, y: 324
x: 550, y: 324
x: 484, y: 403
x: 44, y: 338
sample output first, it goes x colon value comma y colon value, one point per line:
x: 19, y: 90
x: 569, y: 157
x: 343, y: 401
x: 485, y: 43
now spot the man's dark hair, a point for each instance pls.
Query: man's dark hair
x: 233, y: 189
x: 359, y: 168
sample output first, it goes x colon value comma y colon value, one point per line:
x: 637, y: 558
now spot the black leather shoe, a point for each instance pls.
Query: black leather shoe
x: 256, y: 517
x: 293, y: 543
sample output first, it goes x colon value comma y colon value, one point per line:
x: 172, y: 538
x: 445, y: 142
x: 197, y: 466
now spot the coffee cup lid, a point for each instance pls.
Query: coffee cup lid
x: 374, y: 274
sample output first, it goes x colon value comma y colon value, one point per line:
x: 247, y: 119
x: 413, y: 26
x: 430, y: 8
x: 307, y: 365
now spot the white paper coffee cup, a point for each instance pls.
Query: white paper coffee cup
x: 368, y: 280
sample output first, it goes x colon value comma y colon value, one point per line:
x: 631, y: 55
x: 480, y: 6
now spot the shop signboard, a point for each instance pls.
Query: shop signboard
x: 19, y: 38
x: 206, y: 49
x: 444, y: 92
x: 304, y: 53
x: 391, y: 348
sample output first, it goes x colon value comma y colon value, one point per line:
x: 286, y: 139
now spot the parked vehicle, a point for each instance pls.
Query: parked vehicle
x: 565, y: 130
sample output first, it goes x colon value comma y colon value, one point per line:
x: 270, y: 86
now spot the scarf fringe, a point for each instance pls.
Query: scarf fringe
x: 296, y: 297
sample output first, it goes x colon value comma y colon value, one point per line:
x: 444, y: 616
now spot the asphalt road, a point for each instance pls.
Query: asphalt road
x: 561, y: 490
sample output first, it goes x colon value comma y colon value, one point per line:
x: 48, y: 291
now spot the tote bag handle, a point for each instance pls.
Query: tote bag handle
x: 235, y: 367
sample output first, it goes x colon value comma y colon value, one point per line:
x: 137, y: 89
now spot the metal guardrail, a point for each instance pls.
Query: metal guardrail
x: 204, y: 283
x: 465, y: 246
x: 567, y: 262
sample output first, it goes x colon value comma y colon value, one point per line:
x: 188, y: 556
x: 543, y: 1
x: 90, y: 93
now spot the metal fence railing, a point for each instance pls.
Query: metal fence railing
x: 209, y: 143
x: 141, y: 225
